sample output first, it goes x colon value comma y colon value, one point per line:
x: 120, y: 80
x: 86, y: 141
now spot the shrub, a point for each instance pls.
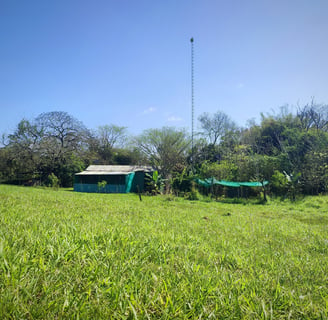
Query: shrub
x: 53, y: 181
x: 102, y: 185
x: 193, y: 194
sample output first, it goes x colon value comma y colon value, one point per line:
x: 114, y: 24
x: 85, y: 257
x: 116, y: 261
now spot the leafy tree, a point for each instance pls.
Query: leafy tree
x: 203, y: 152
x: 109, y: 143
x: 54, y: 143
x: 53, y: 181
x: 7, y: 165
x: 182, y: 181
x: 164, y: 148
x: 23, y: 150
x: 314, y: 177
x: 126, y: 157
x: 279, y: 183
x: 110, y: 137
x: 65, y: 170
x: 225, y: 170
x: 293, y: 183
x: 64, y: 140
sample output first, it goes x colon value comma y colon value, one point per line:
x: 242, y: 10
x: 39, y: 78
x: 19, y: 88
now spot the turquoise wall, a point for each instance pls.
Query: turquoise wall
x: 109, y: 188
x: 115, y: 183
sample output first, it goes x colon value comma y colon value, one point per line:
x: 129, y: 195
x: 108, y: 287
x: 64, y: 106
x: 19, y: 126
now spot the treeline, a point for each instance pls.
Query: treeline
x: 55, y: 145
x: 289, y: 149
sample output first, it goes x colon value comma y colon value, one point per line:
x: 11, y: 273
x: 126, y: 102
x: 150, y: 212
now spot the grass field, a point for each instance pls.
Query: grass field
x: 66, y: 255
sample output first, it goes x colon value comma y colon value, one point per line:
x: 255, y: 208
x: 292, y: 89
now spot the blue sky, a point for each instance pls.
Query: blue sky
x: 127, y: 62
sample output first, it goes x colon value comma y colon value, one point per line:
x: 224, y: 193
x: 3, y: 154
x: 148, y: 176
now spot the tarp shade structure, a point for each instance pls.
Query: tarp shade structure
x: 202, y: 183
x: 212, y: 181
x: 254, y: 184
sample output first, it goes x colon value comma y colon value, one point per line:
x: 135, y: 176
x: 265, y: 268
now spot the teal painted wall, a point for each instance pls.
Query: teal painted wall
x: 109, y: 188
x: 115, y: 183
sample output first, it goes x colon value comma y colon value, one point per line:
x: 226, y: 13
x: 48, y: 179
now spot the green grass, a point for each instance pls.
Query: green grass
x: 66, y: 255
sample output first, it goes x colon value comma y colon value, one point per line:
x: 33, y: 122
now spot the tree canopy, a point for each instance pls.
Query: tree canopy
x: 164, y: 148
x: 288, y: 149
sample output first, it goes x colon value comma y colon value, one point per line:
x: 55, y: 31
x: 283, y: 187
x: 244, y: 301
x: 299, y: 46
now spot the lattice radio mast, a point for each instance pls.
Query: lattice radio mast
x: 192, y: 103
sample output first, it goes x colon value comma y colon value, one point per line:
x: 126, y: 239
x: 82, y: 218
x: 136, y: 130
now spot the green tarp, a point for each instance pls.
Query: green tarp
x: 128, y: 181
x: 212, y: 181
x: 254, y: 184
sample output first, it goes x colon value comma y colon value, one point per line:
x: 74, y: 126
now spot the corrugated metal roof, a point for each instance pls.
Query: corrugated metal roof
x: 100, y: 173
x: 113, y: 170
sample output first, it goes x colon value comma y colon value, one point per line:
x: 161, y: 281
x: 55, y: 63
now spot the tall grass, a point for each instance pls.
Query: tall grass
x: 66, y: 255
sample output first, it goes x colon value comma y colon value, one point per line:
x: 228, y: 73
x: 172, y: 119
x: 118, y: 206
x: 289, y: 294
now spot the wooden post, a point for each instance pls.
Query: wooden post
x: 139, y: 193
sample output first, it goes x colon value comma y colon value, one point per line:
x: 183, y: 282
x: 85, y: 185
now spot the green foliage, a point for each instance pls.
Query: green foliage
x: 53, y: 181
x: 102, y: 185
x: 154, y: 183
x: 93, y: 256
x: 193, y: 194
x: 124, y: 157
x: 164, y: 148
x: 155, y: 176
x: 57, y: 143
x: 107, y: 142
x: 225, y: 170
x: 51, y: 143
x: 279, y: 183
x: 315, y: 172
x: 293, y: 184
x: 182, y: 182
x: 67, y: 170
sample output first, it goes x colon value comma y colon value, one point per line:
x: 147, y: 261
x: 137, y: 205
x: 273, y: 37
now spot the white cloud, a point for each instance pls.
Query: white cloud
x: 240, y: 85
x: 149, y: 110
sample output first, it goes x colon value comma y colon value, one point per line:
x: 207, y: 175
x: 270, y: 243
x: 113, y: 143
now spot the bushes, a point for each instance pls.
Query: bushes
x: 102, y: 185
x: 193, y: 194
x: 53, y: 181
x: 279, y: 183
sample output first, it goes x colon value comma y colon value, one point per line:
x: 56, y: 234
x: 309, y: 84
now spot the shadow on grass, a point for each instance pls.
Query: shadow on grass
x: 243, y: 201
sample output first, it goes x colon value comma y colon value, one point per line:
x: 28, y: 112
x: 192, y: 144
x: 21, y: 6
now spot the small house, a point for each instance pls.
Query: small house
x: 111, y: 179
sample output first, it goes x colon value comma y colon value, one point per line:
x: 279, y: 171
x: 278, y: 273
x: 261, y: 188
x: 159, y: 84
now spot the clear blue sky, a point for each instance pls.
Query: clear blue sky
x: 127, y: 62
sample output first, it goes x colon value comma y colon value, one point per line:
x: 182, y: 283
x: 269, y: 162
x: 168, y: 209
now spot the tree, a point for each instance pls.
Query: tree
x: 23, y: 150
x: 112, y: 136
x: 109, y: 137
x: 215, y: 126
x: 313, y: 116
x: 53, y: 143
x: 126, y: 157
x: 164, y: 148
x: 315, y: 172
x: 7, y: 167
x: 62, y: 133
x: 63, y: 144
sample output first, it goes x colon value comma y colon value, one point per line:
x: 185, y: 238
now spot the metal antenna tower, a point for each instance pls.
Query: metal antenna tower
x: 192, y: 103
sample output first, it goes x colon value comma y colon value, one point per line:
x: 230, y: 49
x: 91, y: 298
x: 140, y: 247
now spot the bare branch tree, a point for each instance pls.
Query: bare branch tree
x: 313, y: 116
x: 61, y: 133
x: 111, y: 136
x: 215, y: 126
